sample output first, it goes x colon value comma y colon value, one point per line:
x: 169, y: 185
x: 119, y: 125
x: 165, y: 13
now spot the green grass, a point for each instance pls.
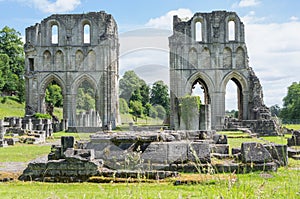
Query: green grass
x: 77, y: 136
x: 233, y: 134
x: 22, y: 152
x: 292, y: 126
x: 282, y: 184
x: 11, y: 108
x: 127, y: 118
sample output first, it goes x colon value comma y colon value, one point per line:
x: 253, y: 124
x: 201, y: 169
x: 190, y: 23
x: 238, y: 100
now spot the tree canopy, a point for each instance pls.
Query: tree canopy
x: 160, y: 95
x: 129, y: 83
x: 291, y: 104
x: 11, y: 63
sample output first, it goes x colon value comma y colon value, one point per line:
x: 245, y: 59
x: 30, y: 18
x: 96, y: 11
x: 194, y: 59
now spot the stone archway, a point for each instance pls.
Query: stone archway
x: 70, y: 58
x: 227, y: 60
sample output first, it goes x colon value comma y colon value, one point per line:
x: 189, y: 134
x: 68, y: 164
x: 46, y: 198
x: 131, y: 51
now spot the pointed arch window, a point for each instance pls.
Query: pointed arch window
x: 87, y: 34
x: 198, y: 31
x: 231, y: 30
x: 54, y: 34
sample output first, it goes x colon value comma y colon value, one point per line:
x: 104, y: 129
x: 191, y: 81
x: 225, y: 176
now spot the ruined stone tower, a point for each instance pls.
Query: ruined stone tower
x: 70, y: 49
x: 210, y: 49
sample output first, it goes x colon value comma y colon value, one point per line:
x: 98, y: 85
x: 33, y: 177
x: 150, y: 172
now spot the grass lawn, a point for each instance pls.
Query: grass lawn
x: 22, y: 152
x: 282, y: 184
x: 11, y: 108
x: 292, y: 126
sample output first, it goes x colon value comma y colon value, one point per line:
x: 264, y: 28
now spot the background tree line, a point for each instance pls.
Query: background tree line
x: 11, y: 64
x: 140, y: 99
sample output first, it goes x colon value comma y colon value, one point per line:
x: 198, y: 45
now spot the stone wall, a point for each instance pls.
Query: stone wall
x: 212, y: 61
x: 60, y: 49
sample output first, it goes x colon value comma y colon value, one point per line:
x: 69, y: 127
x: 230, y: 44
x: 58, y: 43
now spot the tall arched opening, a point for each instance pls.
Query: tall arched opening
x: 199, y: 88
x: 54, y: 100
x: 234, y: 99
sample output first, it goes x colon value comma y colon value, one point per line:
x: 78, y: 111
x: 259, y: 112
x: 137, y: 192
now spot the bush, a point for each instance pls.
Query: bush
x: 42, y: 116
x: 161, y: 112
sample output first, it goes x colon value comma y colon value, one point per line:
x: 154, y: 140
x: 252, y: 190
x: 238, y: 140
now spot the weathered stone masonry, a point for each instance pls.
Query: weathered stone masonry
x: 75, y: 57
x: 212, y: 59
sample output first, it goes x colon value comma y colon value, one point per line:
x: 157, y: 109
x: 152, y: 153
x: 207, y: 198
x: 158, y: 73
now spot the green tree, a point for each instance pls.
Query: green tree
x: 275, y: 110
x: 136, y: 109
x: 128, y: 84
x: 54, y: 95
x: 12, y: 46
x: 145, y: 93
x: 291, y: 104
x: 123, y: 106
x: 161, y: 112
x: 85, y: 97
x: 152, y: 112
x: 4, y: 67
x: 160, y: 95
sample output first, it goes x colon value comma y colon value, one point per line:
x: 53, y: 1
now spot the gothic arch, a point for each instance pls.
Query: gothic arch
x: 193, y: 57
x: 227, y: 58
x: 48, y: 79
x: 79, y: 59
x: 240, y: 58
x: 91, y: 60
x: 205, y: 81
x: 242, y: 91
x: 238, y: 77
x: 46, y: 60
x: 205, y: 58
x: 82, y: 78
x: 84, y: 23
x: 59, y: 60
x: 203, y: 28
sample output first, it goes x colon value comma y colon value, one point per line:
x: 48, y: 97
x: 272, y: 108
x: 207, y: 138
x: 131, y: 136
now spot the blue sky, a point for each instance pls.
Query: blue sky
x: 272, y: 30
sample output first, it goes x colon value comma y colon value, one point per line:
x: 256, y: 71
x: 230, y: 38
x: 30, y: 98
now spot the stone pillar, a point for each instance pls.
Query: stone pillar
x: 29, y: 124
x: 67, y: 142
x: 62, y: 125
x: 2, y: 130
x: 18, y: 123
x: 12, y: 122
x: 205, y: 117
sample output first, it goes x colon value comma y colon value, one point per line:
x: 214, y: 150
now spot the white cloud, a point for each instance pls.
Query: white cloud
x: 250, y: 18
x: 166, y: 20
x: 274, y: 51
x: 248, y: 3
x: 57, y: 6
x: 294, y: 18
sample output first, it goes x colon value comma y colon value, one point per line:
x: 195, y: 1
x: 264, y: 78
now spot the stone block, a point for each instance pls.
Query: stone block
x: 156, y: 152
x: 199, y: 152
x: 253, y: 152
x: 177, y: 152
x: 278, y: 153
x: 220, y: 139
x: 67, y: 142
x: 219, y: 148
x: 235, y: 151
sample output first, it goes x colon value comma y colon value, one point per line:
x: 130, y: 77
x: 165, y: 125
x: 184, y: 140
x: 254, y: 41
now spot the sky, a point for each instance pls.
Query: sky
x: 272, y: 29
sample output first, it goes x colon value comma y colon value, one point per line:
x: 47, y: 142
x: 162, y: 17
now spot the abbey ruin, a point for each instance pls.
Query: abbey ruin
x: 210, y: 50
x: 72, y: 49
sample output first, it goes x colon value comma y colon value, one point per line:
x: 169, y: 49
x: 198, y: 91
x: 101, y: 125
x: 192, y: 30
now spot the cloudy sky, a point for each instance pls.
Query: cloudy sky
x: 272, y: 33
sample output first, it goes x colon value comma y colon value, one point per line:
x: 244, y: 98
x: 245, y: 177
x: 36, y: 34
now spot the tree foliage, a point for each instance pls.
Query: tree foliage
x: 11, y: 62
x: 136, y: 108
x: 128, y: 84
x: 54, y: 95
x: 85, y: 97
x: 291, y: 104
x: 143, y: 100
x: 123, y: 106
x: 160, y: 95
